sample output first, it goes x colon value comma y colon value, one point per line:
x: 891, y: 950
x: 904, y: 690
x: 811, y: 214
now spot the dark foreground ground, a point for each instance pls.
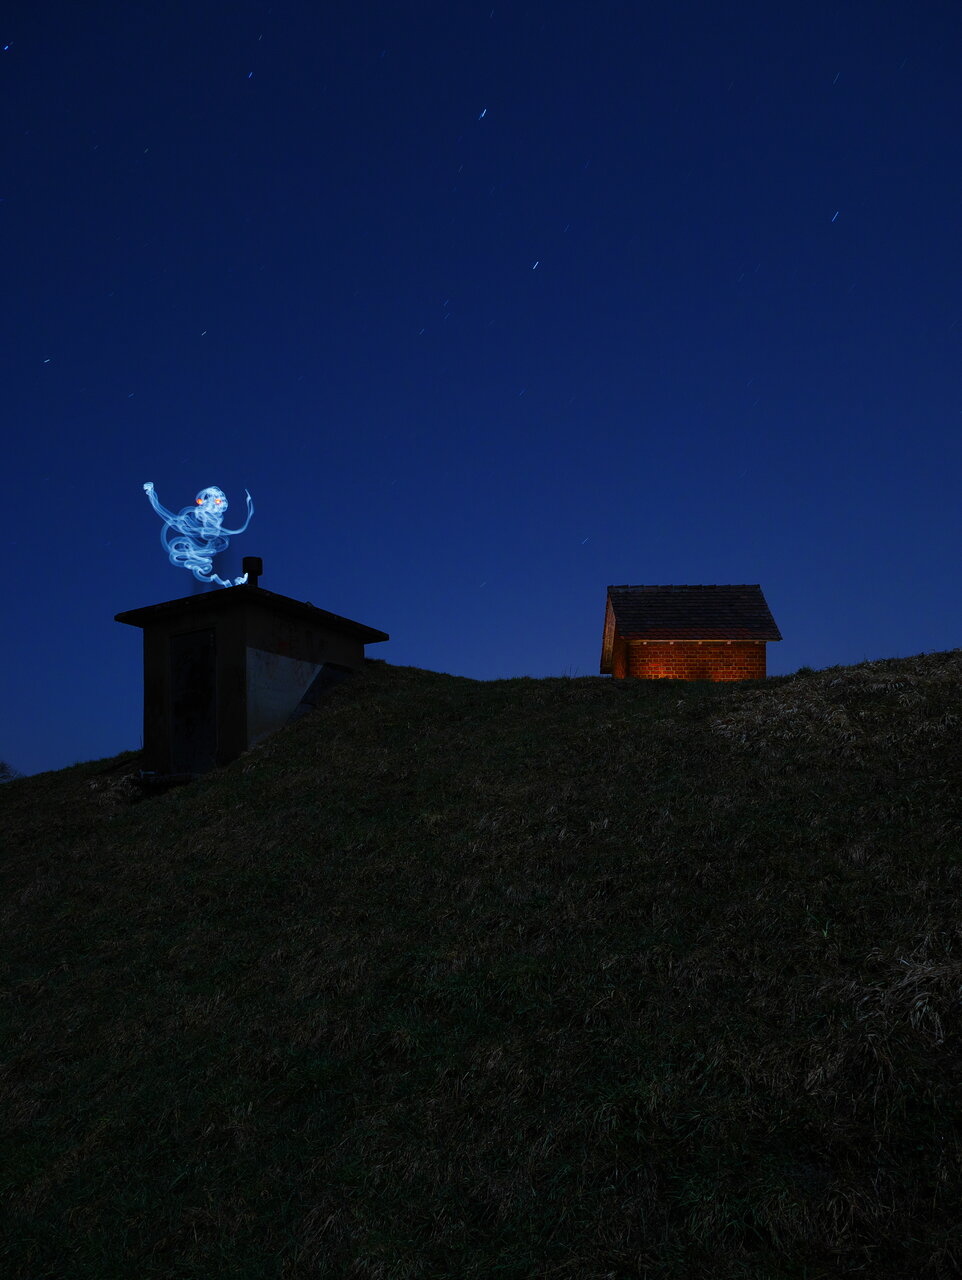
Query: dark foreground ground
x: 566, y: 978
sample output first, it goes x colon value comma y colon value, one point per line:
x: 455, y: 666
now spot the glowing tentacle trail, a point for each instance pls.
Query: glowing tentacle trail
x: 201, y: 536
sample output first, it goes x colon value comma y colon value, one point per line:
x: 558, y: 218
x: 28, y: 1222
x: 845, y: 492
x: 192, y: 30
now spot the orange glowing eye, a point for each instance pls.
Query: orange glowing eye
x: 198, y: 501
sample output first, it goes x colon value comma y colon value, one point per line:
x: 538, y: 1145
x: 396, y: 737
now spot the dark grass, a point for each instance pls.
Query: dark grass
x: 529, y: 978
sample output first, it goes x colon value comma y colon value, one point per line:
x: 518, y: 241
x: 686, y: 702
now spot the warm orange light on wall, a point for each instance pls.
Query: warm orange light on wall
x: 718, y: 661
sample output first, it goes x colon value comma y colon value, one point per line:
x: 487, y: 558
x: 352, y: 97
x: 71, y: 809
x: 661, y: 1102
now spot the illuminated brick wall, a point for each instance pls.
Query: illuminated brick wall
x: 689, y: 659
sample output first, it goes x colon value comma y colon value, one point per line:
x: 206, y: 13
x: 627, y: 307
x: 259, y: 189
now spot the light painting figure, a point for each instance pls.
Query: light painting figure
x: 200, y: 534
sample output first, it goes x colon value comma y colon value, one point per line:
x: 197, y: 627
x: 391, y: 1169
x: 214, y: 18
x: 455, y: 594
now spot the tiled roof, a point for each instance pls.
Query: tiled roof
x: 687, y: 613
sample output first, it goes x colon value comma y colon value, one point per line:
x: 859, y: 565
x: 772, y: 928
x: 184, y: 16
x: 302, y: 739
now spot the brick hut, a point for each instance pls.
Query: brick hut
x: 687, y: 633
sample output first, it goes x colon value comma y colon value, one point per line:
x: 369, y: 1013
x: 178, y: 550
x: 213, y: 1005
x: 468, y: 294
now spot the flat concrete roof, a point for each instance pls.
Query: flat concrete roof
x: 233, y: 599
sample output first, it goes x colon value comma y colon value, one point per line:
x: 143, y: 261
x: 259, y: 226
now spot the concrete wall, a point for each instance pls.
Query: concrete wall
x: 216, y: 682
x: 275, y: 685
x: 284, y: 654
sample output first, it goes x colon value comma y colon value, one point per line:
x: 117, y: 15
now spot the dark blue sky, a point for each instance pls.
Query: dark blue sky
x: 291, y: 248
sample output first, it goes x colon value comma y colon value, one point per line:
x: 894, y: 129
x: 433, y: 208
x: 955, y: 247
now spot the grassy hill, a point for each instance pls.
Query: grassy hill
x: 526, y: 978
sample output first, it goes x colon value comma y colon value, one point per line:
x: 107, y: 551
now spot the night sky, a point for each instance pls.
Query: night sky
x: 489, y: 306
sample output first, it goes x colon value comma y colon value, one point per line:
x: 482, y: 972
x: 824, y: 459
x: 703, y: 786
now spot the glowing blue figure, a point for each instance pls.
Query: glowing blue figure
x: 201, y: 536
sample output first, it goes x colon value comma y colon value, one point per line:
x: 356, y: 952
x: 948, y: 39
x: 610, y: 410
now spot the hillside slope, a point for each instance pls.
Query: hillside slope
x: 523, y: 978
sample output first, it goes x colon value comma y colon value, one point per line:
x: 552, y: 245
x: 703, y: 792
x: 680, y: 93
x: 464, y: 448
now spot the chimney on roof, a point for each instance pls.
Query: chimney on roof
x: 253, y: 566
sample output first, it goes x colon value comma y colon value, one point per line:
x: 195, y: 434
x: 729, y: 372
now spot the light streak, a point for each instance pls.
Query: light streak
x: 201, y: 535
